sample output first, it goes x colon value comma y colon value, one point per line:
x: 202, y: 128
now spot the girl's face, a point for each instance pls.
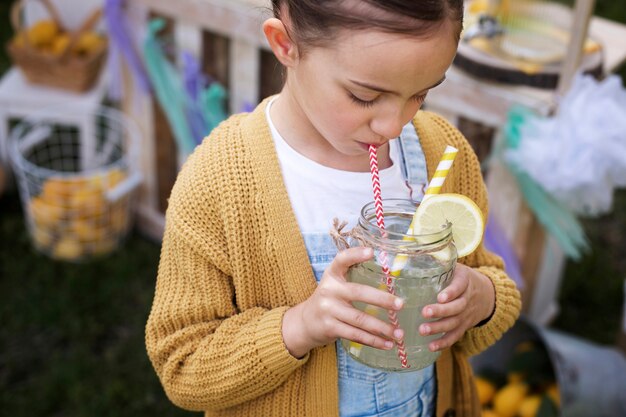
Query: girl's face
x: 365, y: 87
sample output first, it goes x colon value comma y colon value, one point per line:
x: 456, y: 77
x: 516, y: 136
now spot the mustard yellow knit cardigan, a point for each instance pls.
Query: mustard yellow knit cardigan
x: 233, y: 261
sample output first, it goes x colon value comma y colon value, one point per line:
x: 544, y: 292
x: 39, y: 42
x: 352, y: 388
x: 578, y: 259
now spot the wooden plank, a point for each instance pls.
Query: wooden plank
x: 188, y: 38
x: 166, y: 151
x: 583, y: 10
x: 139, y: 107
x: 505, y: 200
x: 611, y: 36
x: 544, y: 305
x: 478, y: 135
x: 271, y: 75
x: 235, y: 19
x: 245, y: 63
x: 483, y: 101
x: 530, y: 241
x: 166, y: 156
x: 216, y: 57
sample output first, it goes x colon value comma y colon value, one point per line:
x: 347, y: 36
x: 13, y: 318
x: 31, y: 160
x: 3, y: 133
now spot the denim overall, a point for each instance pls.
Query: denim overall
x: 365, y: 391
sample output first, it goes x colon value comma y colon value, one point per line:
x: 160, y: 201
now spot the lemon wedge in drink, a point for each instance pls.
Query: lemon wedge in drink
x: 464, y: 215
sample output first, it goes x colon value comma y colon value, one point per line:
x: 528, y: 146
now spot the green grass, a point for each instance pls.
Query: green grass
x: 592, y: 291
x: 72, y: 334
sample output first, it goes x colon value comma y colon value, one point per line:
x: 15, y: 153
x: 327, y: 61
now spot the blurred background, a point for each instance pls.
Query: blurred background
x: 102, y: 100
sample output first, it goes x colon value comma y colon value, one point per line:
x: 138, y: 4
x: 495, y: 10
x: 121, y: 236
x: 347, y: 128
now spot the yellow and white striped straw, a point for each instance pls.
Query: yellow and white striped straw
x: 445, y: 163
x: 434, y: 187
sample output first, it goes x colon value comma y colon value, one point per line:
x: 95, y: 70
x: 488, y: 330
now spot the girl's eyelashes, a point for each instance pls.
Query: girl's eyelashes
x: 420, y: 98
x: 369, y: 103
x: 364, y: 103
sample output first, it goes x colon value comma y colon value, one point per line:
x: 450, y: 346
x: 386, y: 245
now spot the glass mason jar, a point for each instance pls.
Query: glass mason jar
x: 421, y: 265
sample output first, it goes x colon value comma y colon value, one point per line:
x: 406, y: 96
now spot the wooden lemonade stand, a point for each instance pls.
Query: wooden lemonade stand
x: 226, y: 35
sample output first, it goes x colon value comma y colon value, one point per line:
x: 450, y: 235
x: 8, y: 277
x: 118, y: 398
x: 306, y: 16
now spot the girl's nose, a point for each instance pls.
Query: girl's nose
x: 389, y: 126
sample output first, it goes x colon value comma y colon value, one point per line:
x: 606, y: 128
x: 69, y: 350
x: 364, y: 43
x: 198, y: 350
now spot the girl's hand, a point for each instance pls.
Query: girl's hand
x: 468, y: 300
x: 328, y: 314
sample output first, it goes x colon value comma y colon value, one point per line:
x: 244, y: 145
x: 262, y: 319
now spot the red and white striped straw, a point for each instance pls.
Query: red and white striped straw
x: 380, y: 221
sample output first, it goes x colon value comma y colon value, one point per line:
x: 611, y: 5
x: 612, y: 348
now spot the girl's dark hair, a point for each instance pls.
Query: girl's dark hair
x: 314, y: 22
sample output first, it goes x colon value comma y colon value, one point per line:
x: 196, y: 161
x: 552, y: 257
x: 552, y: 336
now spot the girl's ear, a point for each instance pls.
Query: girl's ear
x: 282, y: 45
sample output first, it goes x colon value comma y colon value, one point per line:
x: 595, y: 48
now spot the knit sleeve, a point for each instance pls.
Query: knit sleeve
x: 208, y: 353
x: 466, y: 178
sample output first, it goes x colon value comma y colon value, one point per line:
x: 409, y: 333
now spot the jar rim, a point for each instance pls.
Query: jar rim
x: 368, y: 222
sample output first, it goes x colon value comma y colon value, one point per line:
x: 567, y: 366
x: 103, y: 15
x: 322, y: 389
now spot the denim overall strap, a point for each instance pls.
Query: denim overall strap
x: 413, y: 162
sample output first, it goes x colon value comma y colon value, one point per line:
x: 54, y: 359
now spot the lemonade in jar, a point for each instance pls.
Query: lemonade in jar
x: 414, y: 257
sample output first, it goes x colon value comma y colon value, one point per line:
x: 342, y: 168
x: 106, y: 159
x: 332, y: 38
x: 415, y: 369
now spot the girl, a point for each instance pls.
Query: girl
x: 251, y: 295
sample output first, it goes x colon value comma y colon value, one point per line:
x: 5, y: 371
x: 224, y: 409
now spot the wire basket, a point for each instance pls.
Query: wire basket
x: 76, y: 208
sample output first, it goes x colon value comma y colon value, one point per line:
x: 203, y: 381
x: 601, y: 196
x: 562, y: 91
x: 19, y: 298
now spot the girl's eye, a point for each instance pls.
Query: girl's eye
x: 369, y: 103
x: 420, y: 98
x: 364, y: 103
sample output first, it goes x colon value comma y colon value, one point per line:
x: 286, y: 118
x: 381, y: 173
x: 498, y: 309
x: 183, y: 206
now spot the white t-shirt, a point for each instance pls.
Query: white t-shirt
x: 318, y: 193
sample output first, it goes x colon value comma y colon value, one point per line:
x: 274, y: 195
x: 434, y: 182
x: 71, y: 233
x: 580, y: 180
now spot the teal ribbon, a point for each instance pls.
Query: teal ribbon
x: 191, y: 118
x: 168, y: 88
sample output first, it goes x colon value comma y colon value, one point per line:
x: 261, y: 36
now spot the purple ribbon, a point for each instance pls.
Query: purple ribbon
x: 121, y: 40
x: 194, y: 82
x: 497, y: 242
x: 115, y: 73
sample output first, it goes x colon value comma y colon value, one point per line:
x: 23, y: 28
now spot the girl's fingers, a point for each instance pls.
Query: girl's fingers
x: 446, y: 340
x: 379, y: 297
x: 362, y: 337
x: 369, y: 320
x: 346, y: 258
x: 456, y: 288
x: 448, y: 324
x: 453, y: 308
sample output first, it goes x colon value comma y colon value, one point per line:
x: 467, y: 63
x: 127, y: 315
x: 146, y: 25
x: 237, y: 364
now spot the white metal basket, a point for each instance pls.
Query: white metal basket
x: 76, y: 186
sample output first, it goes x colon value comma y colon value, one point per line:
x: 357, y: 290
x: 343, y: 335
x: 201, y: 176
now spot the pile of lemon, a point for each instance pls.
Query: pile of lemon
x: 528, y: 389
x: 48, y: 38
x: 72, y: 219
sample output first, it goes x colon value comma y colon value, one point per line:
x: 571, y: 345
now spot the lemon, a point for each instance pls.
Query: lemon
x: 553, y: 392
x: 89, y: 42
x: 68, y: 249
x: 513, y: 377
x: 464, y: 215
x: 60, y: 44
x: 485, y: 390
x: 525, y: 347
x: 42, y: 237
x: 529, y: 406
x: 42, y: 32
x: 508, y: 400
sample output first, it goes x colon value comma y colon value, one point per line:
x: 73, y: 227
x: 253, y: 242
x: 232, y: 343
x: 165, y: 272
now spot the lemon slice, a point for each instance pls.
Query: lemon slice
x: 464, y: 215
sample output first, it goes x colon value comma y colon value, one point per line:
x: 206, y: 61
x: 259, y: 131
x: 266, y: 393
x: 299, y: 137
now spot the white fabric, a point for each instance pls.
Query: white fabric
x: 579, y: 155
x: 319, y: 193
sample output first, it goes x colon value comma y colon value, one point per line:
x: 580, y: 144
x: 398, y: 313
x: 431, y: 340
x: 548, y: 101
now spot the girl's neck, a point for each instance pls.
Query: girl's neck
x: 297, y: 130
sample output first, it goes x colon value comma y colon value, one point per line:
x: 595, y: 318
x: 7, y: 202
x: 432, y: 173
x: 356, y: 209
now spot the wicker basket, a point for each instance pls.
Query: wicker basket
x: 64, y: 70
